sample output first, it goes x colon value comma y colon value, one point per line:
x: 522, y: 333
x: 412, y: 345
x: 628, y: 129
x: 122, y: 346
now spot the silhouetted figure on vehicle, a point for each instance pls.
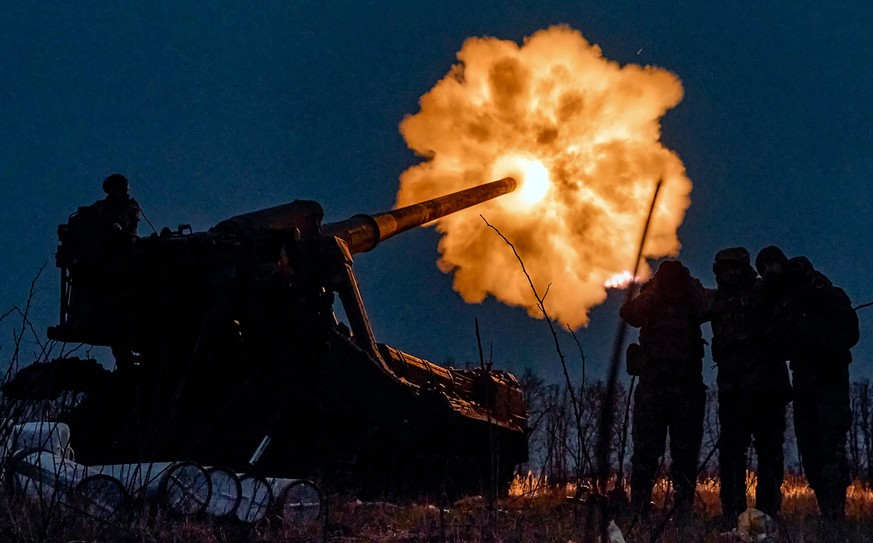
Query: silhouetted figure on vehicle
x: 95, y: 254
x: 97, y: 233
x: 814, y: 325
x: 753, y: 388
x: 118, y: 211
x: 671, y: 396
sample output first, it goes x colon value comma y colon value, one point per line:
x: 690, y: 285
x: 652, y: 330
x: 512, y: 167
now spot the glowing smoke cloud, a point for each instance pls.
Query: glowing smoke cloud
x: 581, y: 134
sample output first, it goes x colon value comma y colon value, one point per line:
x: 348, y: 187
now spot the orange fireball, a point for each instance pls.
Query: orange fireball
x: 582, y: 136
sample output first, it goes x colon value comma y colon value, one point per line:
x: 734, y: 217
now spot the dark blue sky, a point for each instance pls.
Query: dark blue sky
x: 212, y: 109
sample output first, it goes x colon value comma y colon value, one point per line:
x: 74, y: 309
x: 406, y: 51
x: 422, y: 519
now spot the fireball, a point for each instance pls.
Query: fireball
x: 581, y: 134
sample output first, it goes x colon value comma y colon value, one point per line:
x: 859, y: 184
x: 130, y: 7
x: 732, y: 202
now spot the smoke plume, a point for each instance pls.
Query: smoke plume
x: 581, y: 134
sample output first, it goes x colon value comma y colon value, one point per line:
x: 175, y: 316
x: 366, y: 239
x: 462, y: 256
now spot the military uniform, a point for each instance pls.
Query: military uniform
x: 753, y: 388
x: 119, y: 215
x: 671, y: 396
x: 816, y: 327
x: 113, y: 224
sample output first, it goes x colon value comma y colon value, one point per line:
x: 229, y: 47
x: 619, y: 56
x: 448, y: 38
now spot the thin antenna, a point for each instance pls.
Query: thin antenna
x: 479, y: 343
x: 605, y: 428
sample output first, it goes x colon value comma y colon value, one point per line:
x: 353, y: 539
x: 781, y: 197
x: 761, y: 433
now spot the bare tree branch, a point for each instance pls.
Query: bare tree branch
x: 541, y: 306
x: 862, y: 306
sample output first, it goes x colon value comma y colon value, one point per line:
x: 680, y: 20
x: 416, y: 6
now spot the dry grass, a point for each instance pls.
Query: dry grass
x: 532, y: 513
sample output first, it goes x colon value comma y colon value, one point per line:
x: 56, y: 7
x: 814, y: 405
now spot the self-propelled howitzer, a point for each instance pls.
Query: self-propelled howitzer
x: 229, y: 350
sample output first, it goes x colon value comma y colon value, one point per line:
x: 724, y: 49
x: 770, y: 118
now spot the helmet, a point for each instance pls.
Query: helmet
x: 731, y: 256
x: 769, y: 255
x: 800, y: 264
x: 672, y: 274
x: 672, y: 267
x: 115, y: 183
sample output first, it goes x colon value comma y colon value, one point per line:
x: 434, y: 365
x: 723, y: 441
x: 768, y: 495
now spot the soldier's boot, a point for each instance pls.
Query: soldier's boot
x: 618, y: 501
x: 835, y: 530
x: 641, y: 504
x: 683, y: 510
x: 832, y: 503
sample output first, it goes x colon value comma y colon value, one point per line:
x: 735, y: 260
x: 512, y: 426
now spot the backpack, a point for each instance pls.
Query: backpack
x: 837, y: 321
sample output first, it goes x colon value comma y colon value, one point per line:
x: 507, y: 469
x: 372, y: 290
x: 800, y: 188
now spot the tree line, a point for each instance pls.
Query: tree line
x: 562, y: 447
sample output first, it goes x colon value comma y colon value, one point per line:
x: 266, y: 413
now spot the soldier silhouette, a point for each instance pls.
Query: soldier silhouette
x: 814, y: 325
x: 116, y: 220
x: 671, y: 397
x: 118, y: 212
x: 753, y: 388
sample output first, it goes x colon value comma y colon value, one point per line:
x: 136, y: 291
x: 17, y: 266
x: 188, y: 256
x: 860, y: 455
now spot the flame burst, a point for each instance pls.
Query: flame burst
x: 621, y: 280
x: 581, y: 135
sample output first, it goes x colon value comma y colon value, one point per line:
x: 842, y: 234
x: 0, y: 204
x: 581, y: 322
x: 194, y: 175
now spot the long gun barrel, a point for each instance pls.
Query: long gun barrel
x: 363, y: 232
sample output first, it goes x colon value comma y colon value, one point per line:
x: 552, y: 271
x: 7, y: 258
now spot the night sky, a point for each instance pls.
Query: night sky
x: 212, y: 109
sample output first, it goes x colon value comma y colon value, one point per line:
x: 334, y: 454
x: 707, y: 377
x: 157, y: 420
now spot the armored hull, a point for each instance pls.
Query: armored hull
x: 229, y: 352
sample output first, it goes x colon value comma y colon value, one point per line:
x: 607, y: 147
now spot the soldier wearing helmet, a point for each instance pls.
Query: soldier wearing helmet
x: 95, y: 254
x: 671, y: 397
x: 815, y: 327
x: 753, y: 388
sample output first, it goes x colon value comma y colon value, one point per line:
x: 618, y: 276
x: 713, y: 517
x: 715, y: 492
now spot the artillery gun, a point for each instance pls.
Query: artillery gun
x: 229, y: 351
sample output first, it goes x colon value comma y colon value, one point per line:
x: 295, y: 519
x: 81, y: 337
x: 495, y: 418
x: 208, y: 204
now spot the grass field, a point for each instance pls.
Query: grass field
x: 540, y: 514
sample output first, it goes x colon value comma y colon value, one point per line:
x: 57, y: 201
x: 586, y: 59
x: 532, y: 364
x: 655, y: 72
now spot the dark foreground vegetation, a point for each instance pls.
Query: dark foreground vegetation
x: 543, y: 515
x: 563, y: 420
